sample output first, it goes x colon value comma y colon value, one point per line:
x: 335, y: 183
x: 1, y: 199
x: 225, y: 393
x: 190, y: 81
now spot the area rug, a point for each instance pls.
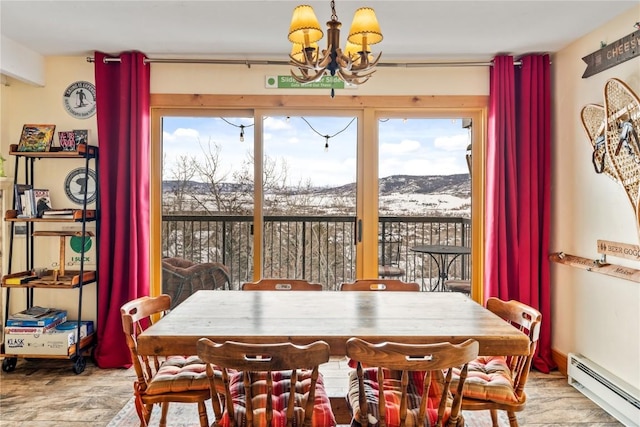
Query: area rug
x: 186, y: 415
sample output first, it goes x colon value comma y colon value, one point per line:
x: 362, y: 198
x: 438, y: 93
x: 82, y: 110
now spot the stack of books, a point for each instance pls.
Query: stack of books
x: 58, y: 214
x: 31, y: 202
x: 43, y: 331
x: 37, y: 317
x: 54, y: 341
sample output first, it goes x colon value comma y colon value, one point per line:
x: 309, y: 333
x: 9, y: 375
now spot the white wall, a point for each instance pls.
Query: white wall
x: 593, y: 314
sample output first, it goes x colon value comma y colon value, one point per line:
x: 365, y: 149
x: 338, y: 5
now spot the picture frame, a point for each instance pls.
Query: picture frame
x: 36, y: 137
x: 81, y: 137
x: 67, y: 140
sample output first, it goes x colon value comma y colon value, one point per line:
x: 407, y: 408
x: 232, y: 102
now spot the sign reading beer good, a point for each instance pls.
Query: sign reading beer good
x: 620, y: 250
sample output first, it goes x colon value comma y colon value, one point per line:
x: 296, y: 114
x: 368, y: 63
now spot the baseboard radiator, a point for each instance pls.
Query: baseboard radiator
x: 617, y: 397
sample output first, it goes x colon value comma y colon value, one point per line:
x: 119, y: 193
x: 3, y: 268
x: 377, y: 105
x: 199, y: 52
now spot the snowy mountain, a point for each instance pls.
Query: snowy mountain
x: 400, y: 195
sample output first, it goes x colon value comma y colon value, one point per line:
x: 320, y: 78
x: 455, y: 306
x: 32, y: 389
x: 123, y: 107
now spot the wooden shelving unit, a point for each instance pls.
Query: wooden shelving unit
x: 60, y: 278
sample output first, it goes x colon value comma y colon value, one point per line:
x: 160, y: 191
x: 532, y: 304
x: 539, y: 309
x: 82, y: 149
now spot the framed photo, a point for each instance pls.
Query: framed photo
x: 81, y: 136
x: 36, y: 137
x: 67, y: 141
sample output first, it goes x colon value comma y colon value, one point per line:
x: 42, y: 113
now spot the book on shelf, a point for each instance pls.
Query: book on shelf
x: 42, y: 201
x: 34, y: 329
x: 54, y: 315
x: 34, y: 312
x: 57, y: 212
x: 21, y: 197
x: 69, y: 214
x: 18, y: 280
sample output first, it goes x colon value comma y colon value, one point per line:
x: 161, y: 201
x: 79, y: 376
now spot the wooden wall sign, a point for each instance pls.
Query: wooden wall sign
x: 612, y: 54
x: 620, y: 250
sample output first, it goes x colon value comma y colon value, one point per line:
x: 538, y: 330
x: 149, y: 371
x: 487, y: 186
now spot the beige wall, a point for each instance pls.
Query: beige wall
x: 31, y: 104
x: 593, y: 314
x: 23, y: 103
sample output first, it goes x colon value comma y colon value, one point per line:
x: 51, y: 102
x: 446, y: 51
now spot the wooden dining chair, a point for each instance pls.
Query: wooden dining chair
x: 380, y: 285
x: 281, y: 285
x: 497, y: 382
x: 258, y: 380
x: 160, y: 381
x: 413, y: 379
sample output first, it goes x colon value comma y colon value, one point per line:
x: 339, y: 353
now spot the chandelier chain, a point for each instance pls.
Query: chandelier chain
x: 334, y: 15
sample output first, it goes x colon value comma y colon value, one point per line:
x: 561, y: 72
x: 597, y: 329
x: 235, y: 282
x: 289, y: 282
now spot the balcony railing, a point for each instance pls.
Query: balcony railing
x: 316, y: 248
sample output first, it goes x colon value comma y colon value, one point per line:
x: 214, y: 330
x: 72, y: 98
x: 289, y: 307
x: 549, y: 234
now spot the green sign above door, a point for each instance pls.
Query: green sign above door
x: 288, y: 82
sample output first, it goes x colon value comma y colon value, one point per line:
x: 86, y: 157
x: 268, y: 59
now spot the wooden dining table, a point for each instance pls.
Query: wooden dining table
x: 302, y: 317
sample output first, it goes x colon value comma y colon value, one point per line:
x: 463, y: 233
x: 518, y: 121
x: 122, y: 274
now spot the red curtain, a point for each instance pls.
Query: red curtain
x: 122, y: 97
x: 518, y: 189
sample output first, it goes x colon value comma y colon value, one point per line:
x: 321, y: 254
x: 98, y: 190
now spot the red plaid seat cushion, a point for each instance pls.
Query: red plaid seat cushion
x: 322, y: 413
x: 392, y: 394
x: 179, y: 373
x: 488, y: 378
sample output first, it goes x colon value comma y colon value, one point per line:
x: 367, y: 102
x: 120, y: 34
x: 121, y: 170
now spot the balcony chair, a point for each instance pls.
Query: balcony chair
x: 388, y: 264
x: 462, y: 286
x: 175, y: 379
x: 380, y: 285
x: 415, y: 381
x: 497, y: 382
x: 258, y: 378
x: 181, y: 277
x: 281, y: 285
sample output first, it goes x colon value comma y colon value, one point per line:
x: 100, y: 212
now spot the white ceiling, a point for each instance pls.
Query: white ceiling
x: 413, y: 31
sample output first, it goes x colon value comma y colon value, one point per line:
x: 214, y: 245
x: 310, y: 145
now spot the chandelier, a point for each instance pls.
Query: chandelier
x: 354, y: 64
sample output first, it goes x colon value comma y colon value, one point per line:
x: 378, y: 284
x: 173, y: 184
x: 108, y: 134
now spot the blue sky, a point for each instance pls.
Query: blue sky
x: 410, y: 147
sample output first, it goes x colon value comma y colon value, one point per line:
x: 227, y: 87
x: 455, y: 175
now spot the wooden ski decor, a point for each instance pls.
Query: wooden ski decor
x: 597, y: 266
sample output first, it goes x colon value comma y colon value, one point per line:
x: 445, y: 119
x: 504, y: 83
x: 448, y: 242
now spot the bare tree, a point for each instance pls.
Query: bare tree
x: 181, y: 185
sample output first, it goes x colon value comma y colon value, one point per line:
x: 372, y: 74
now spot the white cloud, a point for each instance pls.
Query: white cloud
x: 404, y: 147
x: 271, y: 123
x: 452, y: 142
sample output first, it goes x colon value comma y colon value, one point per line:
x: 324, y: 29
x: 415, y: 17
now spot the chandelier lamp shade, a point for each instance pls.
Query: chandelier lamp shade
x: 354, y: 65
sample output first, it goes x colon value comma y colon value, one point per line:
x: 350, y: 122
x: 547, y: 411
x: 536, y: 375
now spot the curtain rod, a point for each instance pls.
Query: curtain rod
x: 249, y: 63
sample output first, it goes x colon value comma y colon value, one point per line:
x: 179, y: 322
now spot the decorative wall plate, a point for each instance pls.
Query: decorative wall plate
x: 77, y: 183
x: 79, y: 99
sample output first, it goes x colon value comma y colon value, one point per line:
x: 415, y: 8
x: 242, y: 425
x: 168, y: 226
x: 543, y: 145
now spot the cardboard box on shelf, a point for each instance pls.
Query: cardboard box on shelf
x: 55, y: 342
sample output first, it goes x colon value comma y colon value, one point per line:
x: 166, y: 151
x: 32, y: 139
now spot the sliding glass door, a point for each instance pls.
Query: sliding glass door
x: 324, y: 194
